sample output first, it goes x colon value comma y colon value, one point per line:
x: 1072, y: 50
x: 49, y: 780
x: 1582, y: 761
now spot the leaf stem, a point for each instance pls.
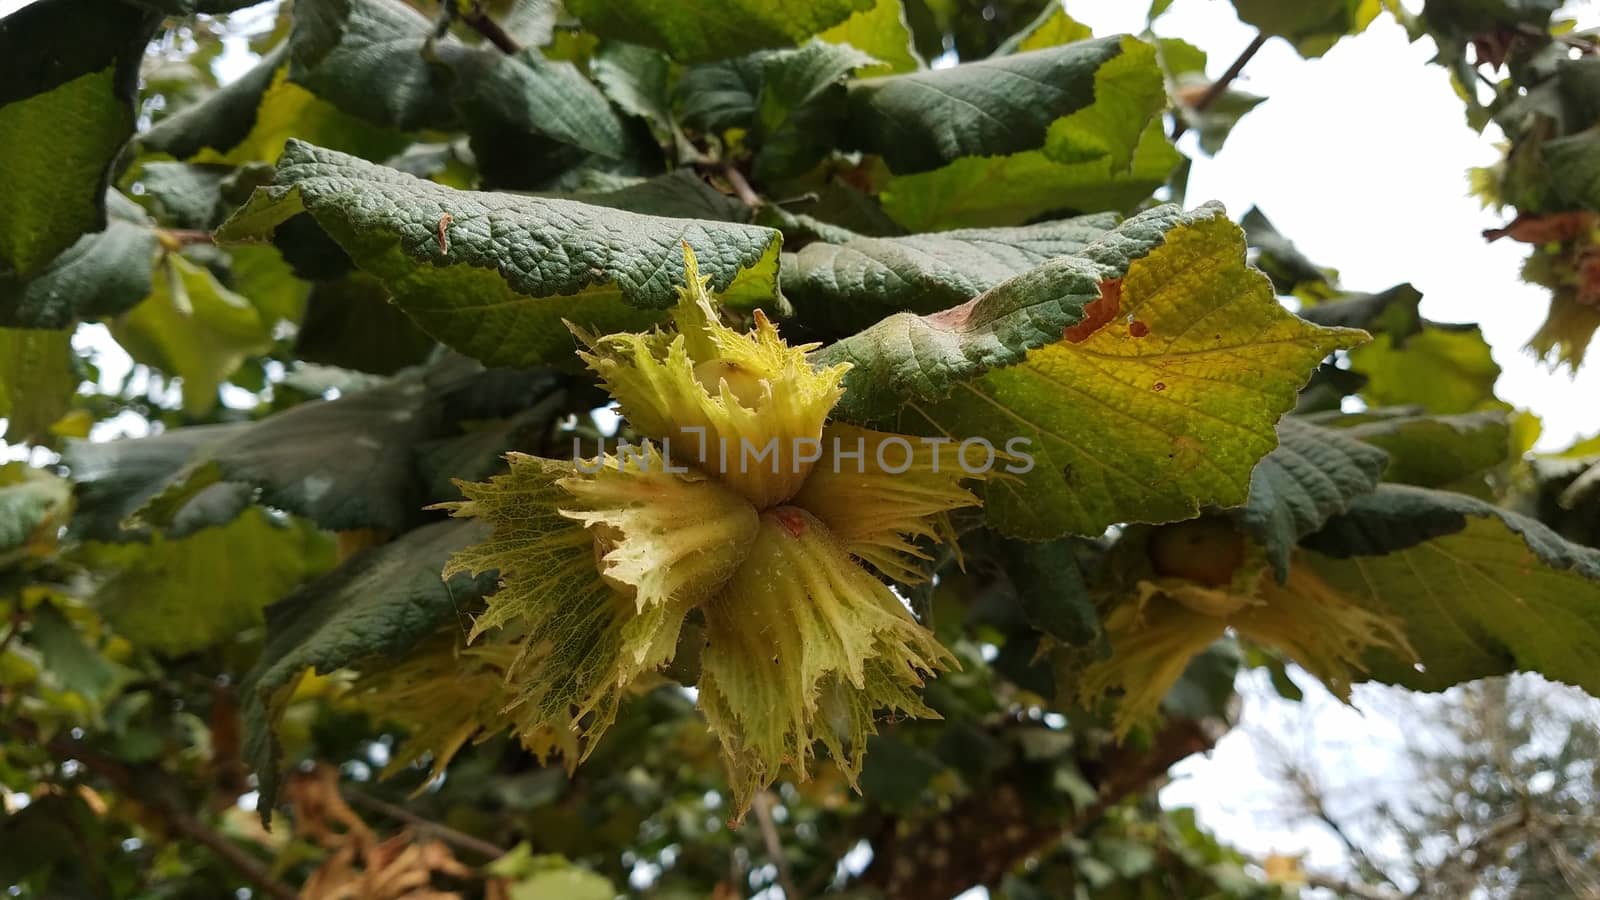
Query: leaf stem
x: 175, y: 238
x: 741, y: 185
x: 1343, y: 888
x: 982, y: 838
x: 179, y: 820
x: 16, y: 627
x: 761, y: 805
x: 479, y: 21
x: 459, y: 839
x: 1220, y: 86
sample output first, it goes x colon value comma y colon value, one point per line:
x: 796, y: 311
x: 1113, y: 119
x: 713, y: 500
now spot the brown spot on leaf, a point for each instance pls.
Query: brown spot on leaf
x: 1098, y: 313
x: 1159, y: 386
x: 1138, y: 329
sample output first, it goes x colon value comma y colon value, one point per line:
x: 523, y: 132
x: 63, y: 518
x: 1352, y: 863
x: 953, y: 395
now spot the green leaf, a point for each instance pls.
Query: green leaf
x: 1157, y: 407
x: 192, y: 328
x: 264, y: 276
x: 972, y: 29
x: 509, y: 269
x: 1434, y: 451
x: 288, y: 111
x: 846, y: 286
x: 367, y: 58
x: 1129, y: 94
x: 1050, y: 588
x: 721, y: 95
x: 1108, y: 154
x: 221, y: 120
x: 378, y: 60
x: 1180, y: 59
x: 979, y: 192
x: 1567, y: 492
x: 116, y: 479
x: 448, y: 163
x: 792, y: 102
x: 548, y: 877
x: 679, y: 194
x: 1291, y: 272
x: 1206, y: 688
x: 378, y: 604
x: 637, y: 79
x: 251, y: 118
x: 184, y: 195
x: 880, y: 32
x: 1052, y: 29
x: 537, y: 400
x: 907, y: 358
x: 33, y: 504
x: 700, y: 31
x: 1217, y: 121
x: 897, y: 772
x: 36, y: 381
x: 1393, y: 312
x: 68, y: 76
x: 480, y: 453
x: 531, y: 22
x: 104, y: 273
x: 342, y: 463
x: 1326, y: 390
x: 1574, y: 167
x: 1443, y: 369
x: 1479, y: 590
x: 923, y: 120
x: 529, y: 94
x: 177, y: 596
x: 67, y: 657
x: 1465, y: 18
x: 350, y: 323
x: 1312, y: 26
x: 1315, y: 473
x: 801, y: 105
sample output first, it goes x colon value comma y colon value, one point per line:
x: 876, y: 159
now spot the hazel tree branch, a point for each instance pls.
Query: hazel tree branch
x: 478, y: 20
x: 179, y: 820
x: 1221, y: 85
x: 762, y: 807
x: 987, y: 835
x: 458, y: 839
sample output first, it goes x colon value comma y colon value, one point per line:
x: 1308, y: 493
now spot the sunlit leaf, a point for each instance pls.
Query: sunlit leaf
x: 1149, y: 406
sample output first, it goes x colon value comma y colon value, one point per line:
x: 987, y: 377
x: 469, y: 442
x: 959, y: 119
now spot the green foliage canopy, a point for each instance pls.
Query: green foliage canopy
x: 393, y: 271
